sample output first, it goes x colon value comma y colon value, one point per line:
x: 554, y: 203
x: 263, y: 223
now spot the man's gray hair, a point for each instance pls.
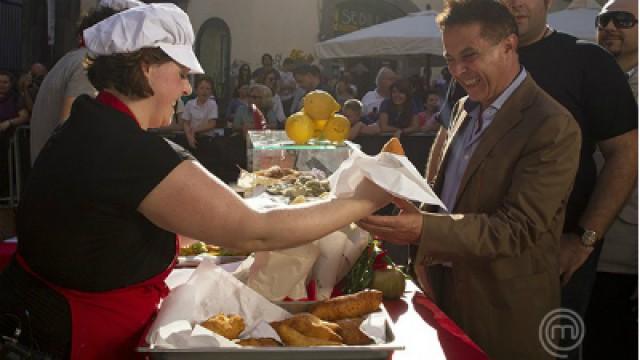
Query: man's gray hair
x: 384, y: 71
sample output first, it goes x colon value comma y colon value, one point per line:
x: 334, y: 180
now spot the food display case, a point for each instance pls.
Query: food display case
x: 267, y: 148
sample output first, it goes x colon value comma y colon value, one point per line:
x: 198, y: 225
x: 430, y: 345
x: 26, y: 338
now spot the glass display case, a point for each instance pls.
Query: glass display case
x: 266, y: 148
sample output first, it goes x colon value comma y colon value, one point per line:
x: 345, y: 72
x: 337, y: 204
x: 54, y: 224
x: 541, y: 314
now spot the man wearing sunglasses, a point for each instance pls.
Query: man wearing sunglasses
x: 586, y: 80
x: 612, y: 315
x: 617, y: 31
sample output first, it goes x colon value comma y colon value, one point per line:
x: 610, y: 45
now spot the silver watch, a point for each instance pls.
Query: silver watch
x: 588, y: 237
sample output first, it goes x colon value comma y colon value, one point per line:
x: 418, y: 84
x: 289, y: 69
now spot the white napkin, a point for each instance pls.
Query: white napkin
x: 394, y: 173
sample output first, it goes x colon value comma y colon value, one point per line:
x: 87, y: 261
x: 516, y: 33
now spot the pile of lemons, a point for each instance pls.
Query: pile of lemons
x: 318, y: 120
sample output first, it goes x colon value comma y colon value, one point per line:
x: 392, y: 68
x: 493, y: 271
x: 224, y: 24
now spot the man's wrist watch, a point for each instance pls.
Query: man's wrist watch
x: 588, y: 237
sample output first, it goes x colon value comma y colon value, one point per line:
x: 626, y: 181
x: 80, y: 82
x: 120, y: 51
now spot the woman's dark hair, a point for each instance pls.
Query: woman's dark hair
x: 244, y: 74
x: 268, y: 56
x: 405, y: 112
x: 123, y: 72
x: 9, y: 74
x: 93, y: 17
x: 495, y: 19
x: 209, y: 79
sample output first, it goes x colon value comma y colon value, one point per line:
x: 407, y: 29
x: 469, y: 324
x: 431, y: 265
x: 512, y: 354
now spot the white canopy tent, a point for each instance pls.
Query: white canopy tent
x: 414, y: 34
x: 578, y: 19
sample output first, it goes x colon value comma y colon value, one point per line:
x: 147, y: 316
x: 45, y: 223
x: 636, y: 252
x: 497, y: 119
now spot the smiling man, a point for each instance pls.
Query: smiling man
x: 504, y: 170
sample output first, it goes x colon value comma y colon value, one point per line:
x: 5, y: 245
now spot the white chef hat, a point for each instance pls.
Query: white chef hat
x: 160, y: 25
x: 120, y: 5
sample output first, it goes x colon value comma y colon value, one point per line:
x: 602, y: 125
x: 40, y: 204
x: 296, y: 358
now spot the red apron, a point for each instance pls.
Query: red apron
x: 111, y: 324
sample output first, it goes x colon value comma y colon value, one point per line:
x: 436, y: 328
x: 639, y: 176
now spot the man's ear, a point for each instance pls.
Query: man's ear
x: 511, y: 42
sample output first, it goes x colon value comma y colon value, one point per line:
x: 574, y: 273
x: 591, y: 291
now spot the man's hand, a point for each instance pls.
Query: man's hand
x: 402, y: 229
x: 572, y: 255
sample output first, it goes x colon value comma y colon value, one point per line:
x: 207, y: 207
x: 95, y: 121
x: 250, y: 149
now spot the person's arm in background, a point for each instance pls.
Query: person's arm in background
x: 212, y: 118
x: 22, y: 118
x: 414, y: 125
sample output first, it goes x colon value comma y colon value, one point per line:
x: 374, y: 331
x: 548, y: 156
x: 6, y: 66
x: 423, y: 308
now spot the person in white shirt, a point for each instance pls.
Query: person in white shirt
x: 372, y: 99
x: 200, y: 114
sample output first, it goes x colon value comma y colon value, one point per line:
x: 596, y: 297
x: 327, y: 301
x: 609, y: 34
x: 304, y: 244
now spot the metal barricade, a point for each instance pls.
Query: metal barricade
x: 14, y: 173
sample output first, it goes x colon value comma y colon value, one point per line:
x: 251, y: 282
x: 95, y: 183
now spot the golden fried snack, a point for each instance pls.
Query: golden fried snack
x: 228, y: 326
x: 258, y: 342
x: 351, y: 333
x: 393, y: 146
x: 310, y: 325
x: 291, y: 337
x: 348, y: 306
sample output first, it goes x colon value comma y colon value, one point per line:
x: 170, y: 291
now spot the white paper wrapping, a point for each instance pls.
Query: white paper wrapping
x: 394, y: 173
x: 209, y: 291
x: 278, y: 274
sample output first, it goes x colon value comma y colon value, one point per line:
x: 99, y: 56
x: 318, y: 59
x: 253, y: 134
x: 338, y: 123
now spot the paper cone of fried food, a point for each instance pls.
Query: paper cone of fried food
x: 393, y: 146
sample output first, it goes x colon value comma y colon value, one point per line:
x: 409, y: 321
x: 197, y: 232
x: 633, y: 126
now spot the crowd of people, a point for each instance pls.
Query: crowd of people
x: 535, y: 159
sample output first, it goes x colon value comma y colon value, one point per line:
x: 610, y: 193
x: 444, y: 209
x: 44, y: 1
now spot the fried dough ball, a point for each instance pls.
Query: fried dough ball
x: 228, y: 326
x: 349, y: 330
x: 310, y: 325
x: 348, y: 306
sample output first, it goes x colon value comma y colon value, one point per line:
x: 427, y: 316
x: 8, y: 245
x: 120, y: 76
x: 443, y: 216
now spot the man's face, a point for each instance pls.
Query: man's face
x: 5, y: 84
x: 267, y: 62
x: 531, y: 17
x: 306, y: 81
x: 479, y: 64
x: 386, y: 80
x: 619, y: 40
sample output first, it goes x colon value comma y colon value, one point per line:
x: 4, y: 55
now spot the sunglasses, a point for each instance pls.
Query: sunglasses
x: 621, y: 20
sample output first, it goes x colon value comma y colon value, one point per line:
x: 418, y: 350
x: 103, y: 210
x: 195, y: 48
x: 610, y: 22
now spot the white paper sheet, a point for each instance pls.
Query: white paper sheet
x: 394, y: 173
x: 209, y: 291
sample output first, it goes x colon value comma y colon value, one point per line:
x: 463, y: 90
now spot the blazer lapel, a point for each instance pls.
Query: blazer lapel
x: 506, y: 118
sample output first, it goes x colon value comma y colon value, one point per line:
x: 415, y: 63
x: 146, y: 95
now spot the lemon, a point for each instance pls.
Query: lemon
x: 337, y: 129
x: 299, y: 128
x: 320, y: 105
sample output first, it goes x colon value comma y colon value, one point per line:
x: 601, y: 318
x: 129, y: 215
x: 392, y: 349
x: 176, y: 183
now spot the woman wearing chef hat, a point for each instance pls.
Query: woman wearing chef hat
x: 98, y: 218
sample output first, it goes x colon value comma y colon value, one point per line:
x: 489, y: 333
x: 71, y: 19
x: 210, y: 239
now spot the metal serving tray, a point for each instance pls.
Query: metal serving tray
x: 351, y: 352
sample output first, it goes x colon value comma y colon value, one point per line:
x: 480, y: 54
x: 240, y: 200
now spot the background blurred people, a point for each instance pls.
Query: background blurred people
x: 12, y: 114
x: 200, y: 114
x: 66, y: 81
x: 399, y: 114
x: 373, y: 99
x: 258, y: 114
x: 267, y: 65
x: 352, y: 110
x: 612, y: 315
x: 288, y: 84
x: 271, y: 79
x: 427, y: 119
x: 308, y: 78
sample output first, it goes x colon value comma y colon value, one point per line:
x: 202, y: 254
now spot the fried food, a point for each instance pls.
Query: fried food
x: 348, y: 306
x: 291, y: 337
x: 393, y: 146
x: 276, y: 172
x: 228, y: 326
x: 349, y: 330
x: 258, y: 342
x: 310, y: 325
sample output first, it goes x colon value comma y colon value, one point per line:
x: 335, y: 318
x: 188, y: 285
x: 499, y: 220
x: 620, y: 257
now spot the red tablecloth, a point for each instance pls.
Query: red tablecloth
x: 6, y: 252
x: 416, y: 318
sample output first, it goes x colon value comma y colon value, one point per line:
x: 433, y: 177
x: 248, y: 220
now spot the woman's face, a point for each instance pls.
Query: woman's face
x: 169, y: 82
x: 5, y: 85
x: 398, y: 97
x: 244, y: 69
x: 270, y: 80
x: 204, y: 90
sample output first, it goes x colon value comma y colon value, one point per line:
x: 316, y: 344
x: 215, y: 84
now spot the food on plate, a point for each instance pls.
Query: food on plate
x: 305, y: 184
x: 292, y: 337
x: 390, y: 281
x: 349, y: 330
x: 310, y: 325
x: 258, y: 342
x: 229, y: 326
x: 348, y: 306
x: 393, y: 146
x: 198, y: 248
x: 276, y: 172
